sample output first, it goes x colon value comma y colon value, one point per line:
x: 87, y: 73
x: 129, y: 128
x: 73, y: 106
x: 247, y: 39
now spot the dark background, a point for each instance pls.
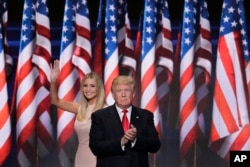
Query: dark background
x: 56, y: 8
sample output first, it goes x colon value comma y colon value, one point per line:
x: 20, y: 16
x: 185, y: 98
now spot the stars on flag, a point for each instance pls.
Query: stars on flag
x: 28, y: 23
x: 68, y: 28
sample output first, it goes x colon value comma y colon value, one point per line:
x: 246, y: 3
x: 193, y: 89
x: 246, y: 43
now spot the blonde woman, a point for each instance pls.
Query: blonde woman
x: 92, y: 99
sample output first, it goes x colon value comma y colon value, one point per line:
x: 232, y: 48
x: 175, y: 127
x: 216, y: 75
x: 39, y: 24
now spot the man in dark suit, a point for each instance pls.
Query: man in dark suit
x: 114, y: 146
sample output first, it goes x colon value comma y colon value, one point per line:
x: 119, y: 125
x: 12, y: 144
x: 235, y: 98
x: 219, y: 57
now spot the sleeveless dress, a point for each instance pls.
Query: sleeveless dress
x: 84, y: 156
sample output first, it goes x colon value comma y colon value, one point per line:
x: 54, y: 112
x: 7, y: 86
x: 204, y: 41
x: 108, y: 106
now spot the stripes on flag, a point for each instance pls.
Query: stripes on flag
x: 203, y: 68
x: 42, y: 53
x: 5, y: 123
x: 149, y: 96
x: 24, y: 95
x: 68, y: 84
x: 230, y: 118
x: 245, y: 43
x: 128, y: 56
x: 82, y: 53
x: 164, y: 57
x: 188, y: 108
x: 111, y: 62
x: 97, y: 57
x: 41, y: 60
x: 7, y: 56
x: 149, y: 99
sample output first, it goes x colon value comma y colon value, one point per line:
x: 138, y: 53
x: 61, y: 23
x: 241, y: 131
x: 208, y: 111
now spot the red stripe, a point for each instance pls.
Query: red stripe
x: 224, y: 109
x: 83, y: 31
x: 148, y: 77
x: 43, y: 31
x: 109, y: 81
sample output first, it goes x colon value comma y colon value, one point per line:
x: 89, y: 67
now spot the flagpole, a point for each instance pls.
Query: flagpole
x: 36, y: 150
x: 195, y: 154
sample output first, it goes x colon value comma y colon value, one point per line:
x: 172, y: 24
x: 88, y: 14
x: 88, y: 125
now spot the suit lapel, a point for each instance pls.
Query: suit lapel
x: 135, y: 117
x: 116, y: 122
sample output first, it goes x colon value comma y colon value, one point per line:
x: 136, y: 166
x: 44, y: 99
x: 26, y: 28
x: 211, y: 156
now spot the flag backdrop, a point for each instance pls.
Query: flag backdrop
x: 25, y: 105
x: 174, y: 78
x: 68, y: 80
x: 5, y: 123
x: 230, y: 121
x: 7, y: 53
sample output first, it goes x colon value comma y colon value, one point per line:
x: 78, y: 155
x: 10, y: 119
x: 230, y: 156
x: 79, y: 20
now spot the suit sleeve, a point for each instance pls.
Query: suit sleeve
x: 147, y: 137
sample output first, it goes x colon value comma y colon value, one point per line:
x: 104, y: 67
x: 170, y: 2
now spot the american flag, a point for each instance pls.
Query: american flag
x: 68, y: 85
x: 230, y: 119
x: 188, y: 108
x: 164, y: 67
x: 128, y: 56
x: 97, y: 58
x: 7, y: 55
x: 82, y: 53
x: 149, y: 97
x: 203, y: 67
x: 5, y: 123
x: 148, y: 80
x: 137, y: 58
x: 42, y: 53
x: 121, y: 27
x: 111, y: 68
x: 41, y: 60
x: 24, y: 95
x: 245, y: 43
x: 164, y: 56
x: 164, y: 41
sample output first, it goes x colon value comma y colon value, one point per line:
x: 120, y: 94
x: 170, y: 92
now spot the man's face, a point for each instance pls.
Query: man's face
x: 123, y: 95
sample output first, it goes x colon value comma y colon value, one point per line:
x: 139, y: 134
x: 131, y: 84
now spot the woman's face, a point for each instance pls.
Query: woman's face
x: 89, y: 89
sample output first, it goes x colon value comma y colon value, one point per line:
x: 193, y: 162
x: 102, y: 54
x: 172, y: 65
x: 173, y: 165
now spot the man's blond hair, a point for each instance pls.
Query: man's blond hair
x: 123, y: 80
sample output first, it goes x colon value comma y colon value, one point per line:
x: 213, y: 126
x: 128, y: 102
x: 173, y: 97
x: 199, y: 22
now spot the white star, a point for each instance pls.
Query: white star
x: 226, y: 19
x: 112, y: 18
x: 107, y: 50
x: 148, y: 30
x: 114, y: 39
x: 24, y: 38
x: 187, y: 41
x: 231, y: 9
x: 111, y: 7
x: 24, y: 27
x: 148, y: 19
x: 187, y: 31
x: 234, y: 24
x: 64, y: 39
x: 113, y: 28
x: 149, y: 40
x: 65, y: 29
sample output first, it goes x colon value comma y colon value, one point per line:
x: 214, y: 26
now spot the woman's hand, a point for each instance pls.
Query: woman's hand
x: 54, y: 71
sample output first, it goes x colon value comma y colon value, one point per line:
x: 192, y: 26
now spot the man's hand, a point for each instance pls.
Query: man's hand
x: 130, y: 135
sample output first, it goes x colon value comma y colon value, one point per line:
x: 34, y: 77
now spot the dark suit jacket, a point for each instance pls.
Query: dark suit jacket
x: 106, y: 133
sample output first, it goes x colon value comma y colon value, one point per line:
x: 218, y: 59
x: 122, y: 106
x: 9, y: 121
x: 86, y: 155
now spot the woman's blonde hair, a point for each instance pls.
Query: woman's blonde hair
x: 100, y: 96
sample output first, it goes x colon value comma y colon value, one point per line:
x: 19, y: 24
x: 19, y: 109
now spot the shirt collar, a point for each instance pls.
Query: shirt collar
x: 120, y: 109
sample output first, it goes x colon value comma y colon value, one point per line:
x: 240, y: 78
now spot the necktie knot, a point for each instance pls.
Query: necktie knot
x: 124, y: 111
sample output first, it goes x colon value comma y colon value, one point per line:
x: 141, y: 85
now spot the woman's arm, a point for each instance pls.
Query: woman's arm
x: 61, y: 103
